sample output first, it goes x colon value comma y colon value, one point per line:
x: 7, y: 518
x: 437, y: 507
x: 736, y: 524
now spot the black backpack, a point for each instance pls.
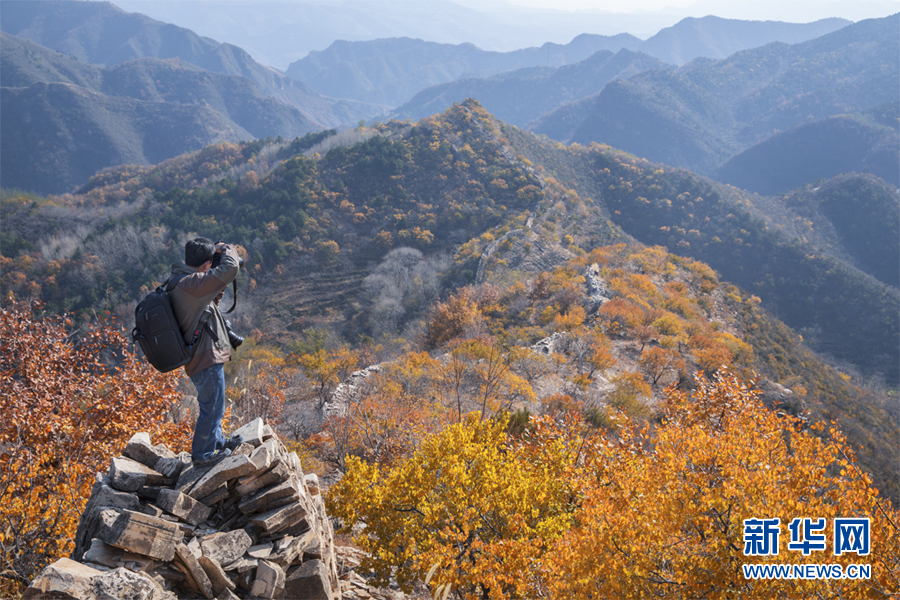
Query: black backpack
x: 157, y: 332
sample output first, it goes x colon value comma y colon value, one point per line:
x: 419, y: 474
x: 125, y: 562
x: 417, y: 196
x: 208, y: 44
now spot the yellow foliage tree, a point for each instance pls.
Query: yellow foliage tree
x: 471, y: 506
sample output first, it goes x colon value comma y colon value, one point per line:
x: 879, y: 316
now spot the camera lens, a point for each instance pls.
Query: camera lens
x: 234, y: 339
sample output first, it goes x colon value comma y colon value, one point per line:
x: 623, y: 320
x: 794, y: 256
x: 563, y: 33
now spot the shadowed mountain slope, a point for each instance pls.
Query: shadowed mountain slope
x: 862, y: 142
x: 141, y: 112
x: 102, y: 34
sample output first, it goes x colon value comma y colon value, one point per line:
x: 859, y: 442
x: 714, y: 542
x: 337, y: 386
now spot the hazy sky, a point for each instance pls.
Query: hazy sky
x: 793, y: 10
x: 278, y: 32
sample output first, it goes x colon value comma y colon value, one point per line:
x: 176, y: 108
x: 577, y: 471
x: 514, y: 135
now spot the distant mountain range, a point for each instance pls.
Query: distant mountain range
x: 278, y: 33
x: 96, y: 87
x: 392, y: 71
x: 63, y: 120
x: 706, y: 112
x: 526, y: 94
x: 765, y: 119
x: 102, y: 34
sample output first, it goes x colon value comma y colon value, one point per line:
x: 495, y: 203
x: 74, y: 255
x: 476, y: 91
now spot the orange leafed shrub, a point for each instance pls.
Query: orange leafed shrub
x: 69, y: 402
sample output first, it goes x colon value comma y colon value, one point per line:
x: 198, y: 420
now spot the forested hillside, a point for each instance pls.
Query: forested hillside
x: 140, y: 112
x: 120, y: 88
x: 502, y: 301
x: 866, y: 142
x: 472, y: 201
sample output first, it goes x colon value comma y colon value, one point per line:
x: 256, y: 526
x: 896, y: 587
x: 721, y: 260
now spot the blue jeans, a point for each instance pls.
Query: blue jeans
x: 210, y: 384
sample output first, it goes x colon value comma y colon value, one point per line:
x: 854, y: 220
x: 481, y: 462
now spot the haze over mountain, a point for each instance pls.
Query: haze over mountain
x: 102, y: 34
x: 520, y: 96
x: 393, y: 70
x: 702, y: 114
x: 278, y: 33
x: 866, y: 142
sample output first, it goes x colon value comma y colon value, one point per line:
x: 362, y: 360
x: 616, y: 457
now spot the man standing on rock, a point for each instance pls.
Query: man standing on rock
x: 195, y: 289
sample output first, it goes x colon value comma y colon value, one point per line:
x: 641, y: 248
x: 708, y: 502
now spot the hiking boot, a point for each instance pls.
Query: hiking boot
x: 215, y: 458
x: 233, y: 442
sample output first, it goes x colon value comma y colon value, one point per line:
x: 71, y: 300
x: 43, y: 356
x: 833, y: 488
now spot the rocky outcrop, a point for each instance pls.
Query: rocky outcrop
x: 157, y: 527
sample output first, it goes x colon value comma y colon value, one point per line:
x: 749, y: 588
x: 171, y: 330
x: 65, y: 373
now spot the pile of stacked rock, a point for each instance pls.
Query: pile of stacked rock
x: 157, y: 527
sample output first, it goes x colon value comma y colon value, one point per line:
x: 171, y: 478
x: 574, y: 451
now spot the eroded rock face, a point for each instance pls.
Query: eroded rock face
x: 159, y: 528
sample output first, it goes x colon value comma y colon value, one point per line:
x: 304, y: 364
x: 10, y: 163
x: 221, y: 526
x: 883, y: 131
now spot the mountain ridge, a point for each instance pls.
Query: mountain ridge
x: 143, y: 111
x: 392, y: 71
x: 101, y: 33
x: 703, y: 113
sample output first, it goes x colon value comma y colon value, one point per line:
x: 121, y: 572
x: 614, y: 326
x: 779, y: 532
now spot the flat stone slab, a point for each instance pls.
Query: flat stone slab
x: 63, y: 579
x: 269, y: 580
x: 310, y: 581
x: 101, y: 553
x: 67, y: 579
x: 102, y: 496
x: 183, y: 506
x: 228, y: 547
x: 227, y: 469
x: 129, y: 475
x: 140, y: 448
x: 137, y: 532
x: 294, y: 551
x: 261, y: 550
x: 218, y: 578
x: 271, y: 497
x: 253, y: 432
x: 194, y: 570
x: 172, y: 467
x: 279, y: 472
x: 280, y: 518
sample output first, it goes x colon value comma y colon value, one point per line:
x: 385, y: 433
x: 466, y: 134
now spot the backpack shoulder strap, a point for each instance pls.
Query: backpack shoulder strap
x: 169, y: 284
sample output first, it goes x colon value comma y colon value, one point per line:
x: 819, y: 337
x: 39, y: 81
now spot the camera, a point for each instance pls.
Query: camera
x: 234, y: 339
x: 217, y: 258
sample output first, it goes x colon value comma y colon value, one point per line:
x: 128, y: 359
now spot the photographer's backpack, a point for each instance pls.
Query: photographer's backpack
x: 157, y: 332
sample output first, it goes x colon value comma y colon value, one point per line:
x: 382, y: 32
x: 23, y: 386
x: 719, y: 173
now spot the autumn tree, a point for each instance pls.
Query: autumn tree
x: 70, y: 400
x: 657, y: 362
x: 457, y: 316
x: 476, y: 376
x: 664, y: 510
x: 652, y: 509
x: 387, y: 413
x: 326, y: 369
x: 471, y: 506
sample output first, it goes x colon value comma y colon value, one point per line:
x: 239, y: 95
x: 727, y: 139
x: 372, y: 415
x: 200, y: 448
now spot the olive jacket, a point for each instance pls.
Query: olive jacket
x: 190, y: 298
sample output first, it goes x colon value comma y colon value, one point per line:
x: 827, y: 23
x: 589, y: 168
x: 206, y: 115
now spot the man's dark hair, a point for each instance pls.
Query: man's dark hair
x: 198, y: 250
